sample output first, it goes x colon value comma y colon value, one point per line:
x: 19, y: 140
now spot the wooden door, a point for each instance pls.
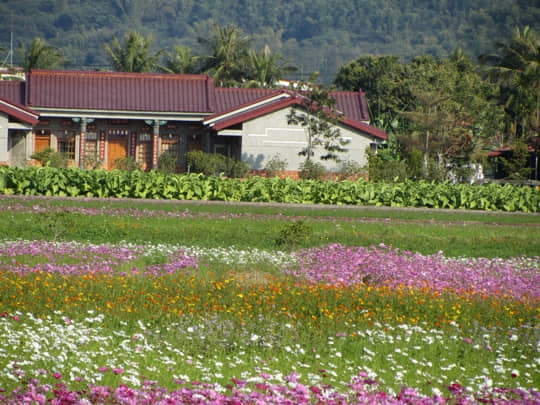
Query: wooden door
x: 41, y: 142
x: 194, y: 142
x: 117, y: 148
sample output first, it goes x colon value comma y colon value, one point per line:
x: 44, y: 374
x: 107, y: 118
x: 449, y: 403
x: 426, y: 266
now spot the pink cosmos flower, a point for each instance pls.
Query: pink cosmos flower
x: 57, y: 375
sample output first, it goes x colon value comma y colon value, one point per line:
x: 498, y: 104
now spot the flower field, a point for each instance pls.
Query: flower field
x: 149, y: 323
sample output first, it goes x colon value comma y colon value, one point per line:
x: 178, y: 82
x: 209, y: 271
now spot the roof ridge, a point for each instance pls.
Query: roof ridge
x: 54, y: 72
x: 246, y: 104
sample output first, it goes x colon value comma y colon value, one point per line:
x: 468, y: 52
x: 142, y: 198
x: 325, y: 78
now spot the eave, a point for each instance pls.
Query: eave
x: 133, y: 115
x: 24, y: 114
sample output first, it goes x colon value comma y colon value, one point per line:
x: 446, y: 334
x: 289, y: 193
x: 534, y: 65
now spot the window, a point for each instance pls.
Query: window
x: 90, y: 146
x: 66, y: 145
x: 223, y: 149
x: 170, y: 144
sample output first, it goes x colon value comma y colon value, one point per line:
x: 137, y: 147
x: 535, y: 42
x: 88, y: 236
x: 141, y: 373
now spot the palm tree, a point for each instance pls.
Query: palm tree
x: 227, y: 59
x: 266, y: 68
x: 181, y: 61
x: 134, y: 55
x: 517, y: 68
x: 41, y: 55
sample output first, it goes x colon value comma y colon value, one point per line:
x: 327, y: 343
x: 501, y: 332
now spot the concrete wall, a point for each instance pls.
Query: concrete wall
x: 270, y: 135
x: 4, y: 138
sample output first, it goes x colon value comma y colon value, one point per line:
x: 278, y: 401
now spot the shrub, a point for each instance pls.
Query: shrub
x: 294, y: 234
x: 414, y: 161
x: 50, y: 157
x: 167, y: 162
x: 206, y: 163
x: 351, y: 169
x: 214, y: 164
x: 275, y: 165
x: 386, y: 170
x: 237, y: 168
x: 517, y: 167
x: 92, y: 162
x: 127, y: 163
x: 312, y: 170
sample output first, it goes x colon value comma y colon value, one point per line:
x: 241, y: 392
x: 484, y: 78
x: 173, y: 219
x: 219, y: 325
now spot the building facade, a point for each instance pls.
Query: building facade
x: 99, y: 119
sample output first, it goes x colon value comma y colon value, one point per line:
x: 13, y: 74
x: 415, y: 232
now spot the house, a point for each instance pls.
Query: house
x: 500, y: 170
x: 104, y: 117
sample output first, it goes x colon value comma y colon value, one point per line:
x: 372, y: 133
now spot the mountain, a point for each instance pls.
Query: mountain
x: 312, y: 34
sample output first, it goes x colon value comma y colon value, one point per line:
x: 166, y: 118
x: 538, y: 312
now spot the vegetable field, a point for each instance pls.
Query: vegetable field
x: 120, y: 184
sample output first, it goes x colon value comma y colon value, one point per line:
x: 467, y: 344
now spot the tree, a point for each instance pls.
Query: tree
x: 227, y: 58
x: 181, y: 61
x: 265, y: 68
x: 382, y: 78
x: 134, y: 55
x: 517, y: 68
x: 41, y: 55
x: 316, y: 113
x: 429, y: 119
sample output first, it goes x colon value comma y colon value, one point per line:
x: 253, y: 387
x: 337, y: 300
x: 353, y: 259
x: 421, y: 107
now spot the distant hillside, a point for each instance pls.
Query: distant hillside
x: 313, y: 34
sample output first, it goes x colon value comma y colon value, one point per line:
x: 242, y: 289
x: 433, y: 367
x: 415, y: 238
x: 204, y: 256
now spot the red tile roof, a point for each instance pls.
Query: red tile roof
x: 230, y: 98
x: 151, y: 92
x: 18, y: 111
x: 267, y: 105
x: 270, y: 103
x: 353, y: 104
x: 365, y: 127
x: 12, y: 90
x: 118, y: 91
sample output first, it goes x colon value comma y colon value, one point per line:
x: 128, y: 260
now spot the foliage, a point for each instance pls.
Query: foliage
x: 215, y: 164
x: 233, y: 227
x: 293, y: 235
x: 517, y: 166
x: 517, y: 68
x: 92, y: 162
x: 380, y: 169
x: 314, y: 35
x: 275, y: 165
x: 167, y: 162
x: 382, y: 78
x: 134, y: 54
x: 319, y: 118
x: 444, y: 101
x: 128, y: 163
x: 236, y: 168
x: 351, y: 169
x: 265, y: 68
x: 52, y: 158
x: 40, y: 55
x: 227, y: 49
x: 312, y: 170
x: 181, y: 61
x: 136, y: 184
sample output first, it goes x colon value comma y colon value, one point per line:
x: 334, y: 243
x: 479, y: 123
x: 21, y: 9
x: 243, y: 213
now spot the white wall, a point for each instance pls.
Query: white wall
x: 270, y: 134
x: 4, y: 119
